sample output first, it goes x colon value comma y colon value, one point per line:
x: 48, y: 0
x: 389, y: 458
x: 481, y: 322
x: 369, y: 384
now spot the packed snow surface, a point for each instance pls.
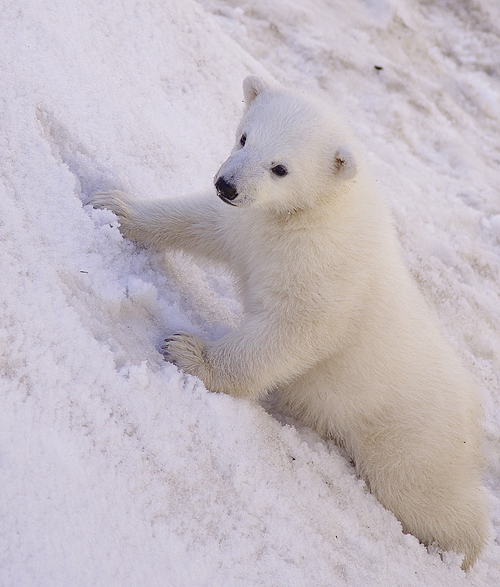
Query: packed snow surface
x: 116, y: 468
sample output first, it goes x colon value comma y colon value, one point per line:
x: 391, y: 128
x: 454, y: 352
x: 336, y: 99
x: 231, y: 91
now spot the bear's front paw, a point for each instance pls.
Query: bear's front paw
x: 187, y: 351
x: 115, y: 201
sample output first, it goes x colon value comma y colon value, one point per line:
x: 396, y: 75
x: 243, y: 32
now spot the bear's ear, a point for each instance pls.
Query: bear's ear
x: 344, y: 163
x: 252, y: 87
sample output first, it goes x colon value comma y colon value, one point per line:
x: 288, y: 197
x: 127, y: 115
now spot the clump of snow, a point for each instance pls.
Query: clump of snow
x: 116, y: 468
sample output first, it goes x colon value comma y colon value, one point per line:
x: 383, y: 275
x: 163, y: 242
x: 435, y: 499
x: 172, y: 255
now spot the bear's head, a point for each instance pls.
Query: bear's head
x: 290, y: 152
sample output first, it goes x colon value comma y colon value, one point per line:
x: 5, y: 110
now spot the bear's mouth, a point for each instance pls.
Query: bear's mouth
x: 224, y: 199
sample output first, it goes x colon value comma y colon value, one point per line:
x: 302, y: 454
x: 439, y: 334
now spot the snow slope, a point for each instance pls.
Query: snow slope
x: 118, y: 470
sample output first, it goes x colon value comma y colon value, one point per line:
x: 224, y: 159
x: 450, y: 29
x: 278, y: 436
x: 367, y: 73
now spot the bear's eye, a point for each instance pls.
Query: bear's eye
x: 280, y: 170
x: 243, y: 140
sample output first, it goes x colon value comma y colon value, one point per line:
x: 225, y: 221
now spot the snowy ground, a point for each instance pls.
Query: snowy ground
x: 118, y: 470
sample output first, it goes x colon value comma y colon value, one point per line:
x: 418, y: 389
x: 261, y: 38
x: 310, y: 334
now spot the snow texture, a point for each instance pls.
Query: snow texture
x: 116, y: 468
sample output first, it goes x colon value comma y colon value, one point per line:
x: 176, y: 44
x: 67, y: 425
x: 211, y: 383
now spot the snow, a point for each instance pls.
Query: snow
x: 116, y: 468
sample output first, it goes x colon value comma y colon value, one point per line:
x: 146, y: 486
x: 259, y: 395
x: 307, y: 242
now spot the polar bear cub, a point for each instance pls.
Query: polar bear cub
x: 332, y: 322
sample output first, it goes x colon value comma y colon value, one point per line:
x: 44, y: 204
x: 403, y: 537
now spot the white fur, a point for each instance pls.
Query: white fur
x: 332, y: 319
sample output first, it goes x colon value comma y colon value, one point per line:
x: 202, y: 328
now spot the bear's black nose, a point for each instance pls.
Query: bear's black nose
x: 225, y: 190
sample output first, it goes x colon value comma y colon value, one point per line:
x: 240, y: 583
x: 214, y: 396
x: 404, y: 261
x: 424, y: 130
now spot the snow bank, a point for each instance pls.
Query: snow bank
x: 116, y: 469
